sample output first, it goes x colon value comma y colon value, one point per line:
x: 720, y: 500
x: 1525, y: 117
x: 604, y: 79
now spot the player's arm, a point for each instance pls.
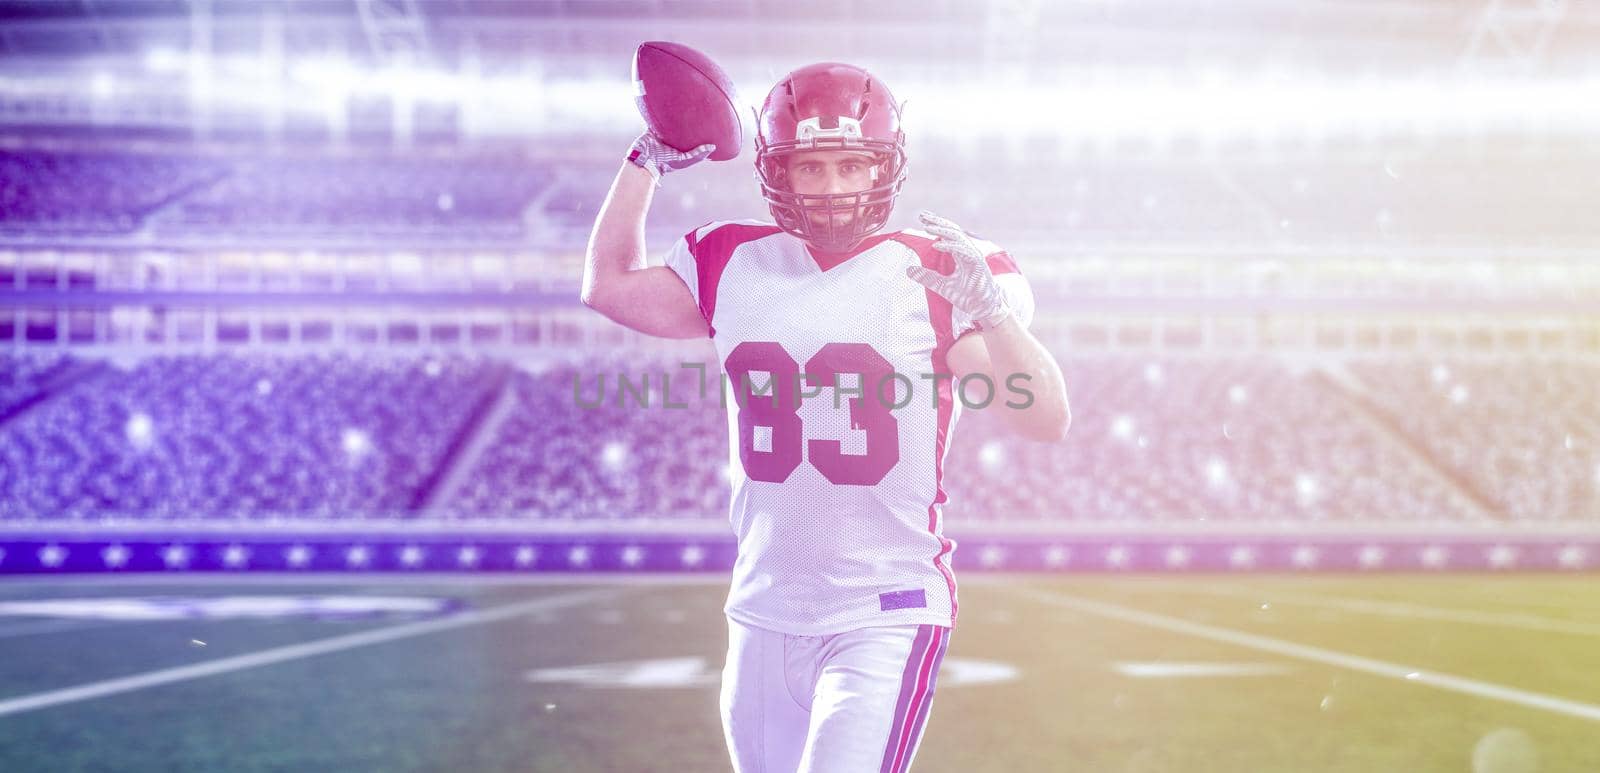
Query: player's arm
x: 1023, y: 372
x: 616, y: 281
x: 1029, y: 389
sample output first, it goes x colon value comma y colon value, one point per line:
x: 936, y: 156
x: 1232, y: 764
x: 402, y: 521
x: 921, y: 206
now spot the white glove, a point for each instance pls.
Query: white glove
x: 659, y: 158
x: 971, y: 288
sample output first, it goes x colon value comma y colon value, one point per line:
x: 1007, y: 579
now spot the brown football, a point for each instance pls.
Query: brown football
x: 686, y: 99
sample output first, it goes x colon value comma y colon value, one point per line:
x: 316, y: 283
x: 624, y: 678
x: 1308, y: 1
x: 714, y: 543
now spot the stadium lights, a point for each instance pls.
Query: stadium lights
x: 164, y: 60
x: 1122, y: 427
x: 355, y: 443
x: 992, y: 455
x: 103, y: 84
x: 140, y: 430
x: 1217, y: 472
x: 1095, y: 105
x: 614, y: 456
x: 1306, y: 489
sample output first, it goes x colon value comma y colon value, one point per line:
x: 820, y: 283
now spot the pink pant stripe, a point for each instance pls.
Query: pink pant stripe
x: 919, y: 695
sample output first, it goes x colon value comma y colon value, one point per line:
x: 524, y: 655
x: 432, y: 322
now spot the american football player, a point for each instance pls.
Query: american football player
x: 842, y: 600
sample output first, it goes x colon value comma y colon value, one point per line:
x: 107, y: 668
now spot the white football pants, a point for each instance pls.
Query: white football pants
x: 853, y: 702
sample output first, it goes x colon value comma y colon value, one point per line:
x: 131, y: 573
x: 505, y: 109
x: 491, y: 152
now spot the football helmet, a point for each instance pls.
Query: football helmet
x: 830, y: 106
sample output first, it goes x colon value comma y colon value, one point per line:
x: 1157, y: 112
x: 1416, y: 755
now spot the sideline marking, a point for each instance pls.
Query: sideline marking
x: 291, y: 652
x: 1450, y: 682
x: 1169, y: 670
x: 1399, y: 609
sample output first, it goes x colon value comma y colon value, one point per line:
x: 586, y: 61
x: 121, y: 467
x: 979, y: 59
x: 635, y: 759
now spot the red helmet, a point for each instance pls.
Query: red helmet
x: 830, y: 106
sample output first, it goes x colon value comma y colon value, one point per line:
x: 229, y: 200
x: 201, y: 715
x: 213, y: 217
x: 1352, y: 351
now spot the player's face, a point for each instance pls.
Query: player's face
x: 830, y: 172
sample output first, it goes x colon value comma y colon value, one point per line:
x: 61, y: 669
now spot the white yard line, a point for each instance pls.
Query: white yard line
x: 1329, y: 657
x: 1406, y: 611
x: 294, y: 652
x: 35, y: 626
x: 1159, y: 669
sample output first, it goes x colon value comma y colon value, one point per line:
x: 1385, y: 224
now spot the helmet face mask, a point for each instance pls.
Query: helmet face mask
x: 830, y: 107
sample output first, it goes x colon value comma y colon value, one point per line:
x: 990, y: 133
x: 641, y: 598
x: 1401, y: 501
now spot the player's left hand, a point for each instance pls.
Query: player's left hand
x: 971, y: 287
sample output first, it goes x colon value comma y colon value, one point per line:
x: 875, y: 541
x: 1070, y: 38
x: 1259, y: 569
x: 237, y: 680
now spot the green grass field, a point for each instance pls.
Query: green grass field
x: 1077, y: 673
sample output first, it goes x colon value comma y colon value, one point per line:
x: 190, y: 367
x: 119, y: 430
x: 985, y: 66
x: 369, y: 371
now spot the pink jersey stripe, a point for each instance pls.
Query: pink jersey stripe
x: 942, y: 317
x: 1002, y: 263
x: 711, y: 255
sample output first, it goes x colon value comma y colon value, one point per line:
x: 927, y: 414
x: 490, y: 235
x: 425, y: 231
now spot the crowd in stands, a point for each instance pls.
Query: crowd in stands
x: 82, y: 193
x: 580, y: 442
x: 91, y: 193
x: 1194, y: 439
x: 1524, y: 436
x: 238, y: 437
x: 1154, y: 439
x: 25, y: 379
x: 362, y: 196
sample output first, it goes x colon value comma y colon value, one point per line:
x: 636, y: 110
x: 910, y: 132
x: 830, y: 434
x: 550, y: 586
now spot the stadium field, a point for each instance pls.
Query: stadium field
x: 1393, y: 672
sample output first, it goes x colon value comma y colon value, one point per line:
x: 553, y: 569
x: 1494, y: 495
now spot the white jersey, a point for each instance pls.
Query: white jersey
x: 837, y: 510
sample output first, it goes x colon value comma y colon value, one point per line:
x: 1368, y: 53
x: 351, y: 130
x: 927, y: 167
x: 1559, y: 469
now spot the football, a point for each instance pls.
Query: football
x: 686, y: 99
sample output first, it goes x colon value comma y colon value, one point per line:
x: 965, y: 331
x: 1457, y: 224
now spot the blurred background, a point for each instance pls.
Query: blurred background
x: 290, y: 324
x: 284, y: 265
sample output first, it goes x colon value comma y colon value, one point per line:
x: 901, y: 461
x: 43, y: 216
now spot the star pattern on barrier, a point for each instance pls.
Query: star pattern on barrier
x: 1177, y: 556
x: 1242, y: 557
x: 525, y: 556
x: 1056, y: 556
x: 631, y: 556
x: 1434, y: 556
x: 175, y: 556
x: 52, y: 556
x: 115, y: 556
x: 1501, y: 556
x: 1572, y: 557
x: 578, y: 555
x: 991, y: 556
x: 297, y: 556
x: 412, y: 556
x: 357, y: 556
x: 1305, y: 557
x: 1371, y: 556
x: 235, y: 556
x: 693, y: 555
x: 1117, y: 556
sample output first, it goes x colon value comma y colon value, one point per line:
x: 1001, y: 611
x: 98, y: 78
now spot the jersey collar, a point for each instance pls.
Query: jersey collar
x: 829, y: 260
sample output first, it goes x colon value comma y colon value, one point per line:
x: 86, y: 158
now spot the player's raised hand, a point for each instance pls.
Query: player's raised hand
x: 971, y: 287
x: 659, y: 158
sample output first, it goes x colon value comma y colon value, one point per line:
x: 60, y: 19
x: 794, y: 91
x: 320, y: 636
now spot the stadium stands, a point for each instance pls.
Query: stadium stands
x: 233, y: 437
x: 606, y: 456
x: 84, y: 193
x: 1522, y: 434
x: 308, y: 196
x: 1154, y: 440
x: 24, y: 380
x: 1194, y: 439
x: 102, y: 193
